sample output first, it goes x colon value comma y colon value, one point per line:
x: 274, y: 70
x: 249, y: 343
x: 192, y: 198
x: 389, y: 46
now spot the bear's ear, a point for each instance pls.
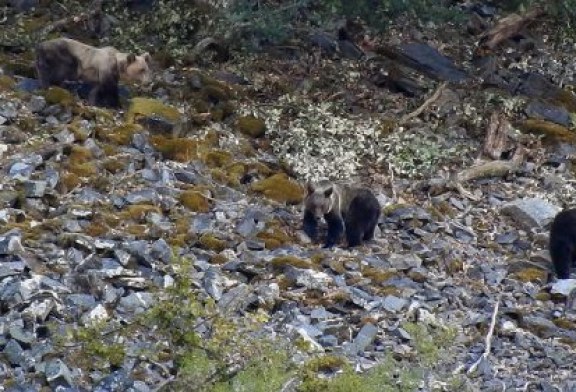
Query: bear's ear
x: 328, y: 192
x: 309, y: 187
x: 146, y: 56
x: 131, y: 58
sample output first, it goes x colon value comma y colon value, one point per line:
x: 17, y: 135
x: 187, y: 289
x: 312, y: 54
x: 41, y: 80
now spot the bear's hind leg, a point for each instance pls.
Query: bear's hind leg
x: 369, y: 233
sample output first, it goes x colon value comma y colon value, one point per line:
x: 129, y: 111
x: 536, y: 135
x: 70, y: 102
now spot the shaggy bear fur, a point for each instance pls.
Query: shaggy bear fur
x: 350, y: 210
x: 64, y: 59
x: 563, y: 242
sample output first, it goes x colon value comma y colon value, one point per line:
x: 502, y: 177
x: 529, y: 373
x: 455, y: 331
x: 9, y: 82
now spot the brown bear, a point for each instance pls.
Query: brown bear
x: 65, y: 59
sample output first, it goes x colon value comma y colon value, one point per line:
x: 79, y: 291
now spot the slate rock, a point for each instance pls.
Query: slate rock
x: 27, y: 85
x: 57, y: 373
x: 35, y: 188
x: 428, y: 60
x: 548, y: 112
x: 362, y: 340
x: 531, y: 213
x: 118, y: 381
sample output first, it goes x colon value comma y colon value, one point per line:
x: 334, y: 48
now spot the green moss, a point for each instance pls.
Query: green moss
x: 138, y: 212
x: 21, y: 68
x: 114, y: 165
x: 138, y: 231
x: 325, y: 363
x: 87, y: 169
x: 387, y: 126
x: 55, y: 95
x: 96, y: 228
x: 121, y: 135
x: 565, y: 323
x: 377, y: 275
x: 79, y: 154
x: 274, y: 237
x: 177, y: 149
x: 218, y: 259
x: 531, y: 275
x: 543, y: 296
x: 391, y: 208
x: 27, y: 124
x: 550, y: 130
x: 280, y: 188
x: 217, y: 158
x: 280, y: 262
x: 214, y: 94
x: 251, y: 126
x: 567, y: 99
x: 210, y: 242
x: 151, y: 107
x: 194, y: 200
x: 6, y: 83
x: 69, y: 181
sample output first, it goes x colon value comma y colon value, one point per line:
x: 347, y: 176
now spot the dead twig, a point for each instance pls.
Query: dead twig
x: 488, y: 344
x: 422, y: 107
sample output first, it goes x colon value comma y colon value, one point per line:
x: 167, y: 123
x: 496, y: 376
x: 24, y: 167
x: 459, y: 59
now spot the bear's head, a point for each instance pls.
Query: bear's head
x: 136, y: 68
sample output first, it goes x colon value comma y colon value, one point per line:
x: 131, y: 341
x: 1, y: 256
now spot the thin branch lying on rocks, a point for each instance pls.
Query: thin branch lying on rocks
x: 506, y: 28
x: 422, y: 107
x: 488, y: 344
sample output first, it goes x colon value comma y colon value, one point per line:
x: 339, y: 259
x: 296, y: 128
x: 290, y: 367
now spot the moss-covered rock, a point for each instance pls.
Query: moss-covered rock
x: 121, y: 135
x: 194, y: 200
x: 274, y: 237
x: 281, y: 262
x: 211, y: 242
x: 138, y: 212
x: 531, y: 275
x: 217, y: 158
x: 80, y: 162
x: 149, y: 107
x: 55, y: 95
x: 251, y: 126
x: 280, y: 188
x: 6, y: 83
x: 176, y: 149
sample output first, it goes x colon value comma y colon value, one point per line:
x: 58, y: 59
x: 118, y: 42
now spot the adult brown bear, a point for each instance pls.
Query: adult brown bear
x: 64, y: 59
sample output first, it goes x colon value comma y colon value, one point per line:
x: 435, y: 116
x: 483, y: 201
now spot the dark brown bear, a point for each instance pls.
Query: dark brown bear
x: 350, y: 210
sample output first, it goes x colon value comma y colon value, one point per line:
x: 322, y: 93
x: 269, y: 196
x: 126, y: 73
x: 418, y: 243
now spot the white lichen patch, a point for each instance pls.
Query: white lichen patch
x: 319, y: 142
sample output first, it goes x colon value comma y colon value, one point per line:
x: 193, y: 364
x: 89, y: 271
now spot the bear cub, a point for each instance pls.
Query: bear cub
x: 64, y: 59
x: 353, y: 211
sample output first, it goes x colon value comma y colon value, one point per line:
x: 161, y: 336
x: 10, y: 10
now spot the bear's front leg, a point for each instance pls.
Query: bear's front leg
x: 310, y: 225
x: 335, y: 230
